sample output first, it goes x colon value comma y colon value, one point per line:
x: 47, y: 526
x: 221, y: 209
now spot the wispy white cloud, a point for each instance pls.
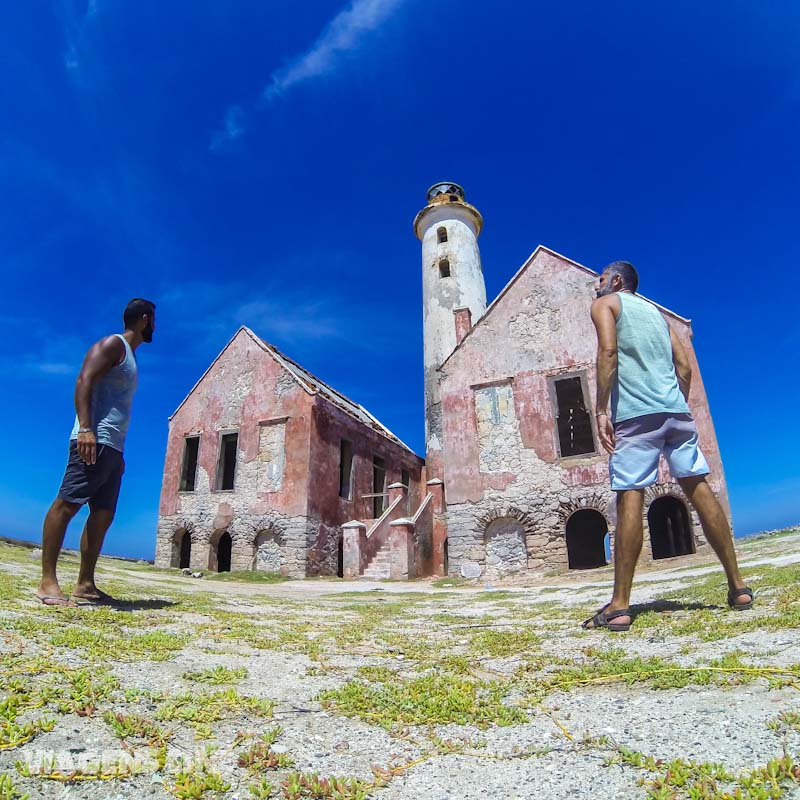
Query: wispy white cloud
x: 54, y: 368
x: 343, y: 34
x: 233, y: 127
x: 48, y: 354
x: 76, y: 24
x: 288, y: 317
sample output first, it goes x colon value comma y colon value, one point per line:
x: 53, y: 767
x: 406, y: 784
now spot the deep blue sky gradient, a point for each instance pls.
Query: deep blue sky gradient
x: 248, y: 164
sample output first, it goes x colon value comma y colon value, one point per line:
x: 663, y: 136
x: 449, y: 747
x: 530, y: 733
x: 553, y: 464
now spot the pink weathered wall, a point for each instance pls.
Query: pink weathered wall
x: 244, y: 388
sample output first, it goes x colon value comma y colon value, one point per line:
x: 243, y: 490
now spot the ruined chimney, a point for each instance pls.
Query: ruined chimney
x: 463, y: 323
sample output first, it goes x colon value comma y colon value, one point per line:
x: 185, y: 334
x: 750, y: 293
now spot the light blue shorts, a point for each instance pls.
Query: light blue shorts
x: 641, y: 440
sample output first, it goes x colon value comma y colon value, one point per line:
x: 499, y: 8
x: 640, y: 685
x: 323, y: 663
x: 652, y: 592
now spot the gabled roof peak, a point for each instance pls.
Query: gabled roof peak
x: 308, y: 382
x: 540, y: 248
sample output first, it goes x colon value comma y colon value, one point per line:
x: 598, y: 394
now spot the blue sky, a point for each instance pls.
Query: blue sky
x: 243, y: 163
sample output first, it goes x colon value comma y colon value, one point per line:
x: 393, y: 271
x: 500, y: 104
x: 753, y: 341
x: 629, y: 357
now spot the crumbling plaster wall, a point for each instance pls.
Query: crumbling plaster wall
x: 540, y: 329
x: 247, y: 391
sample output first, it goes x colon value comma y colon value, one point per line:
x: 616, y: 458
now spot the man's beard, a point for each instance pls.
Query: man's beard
x: 147, y: 334
x: 600, y: 293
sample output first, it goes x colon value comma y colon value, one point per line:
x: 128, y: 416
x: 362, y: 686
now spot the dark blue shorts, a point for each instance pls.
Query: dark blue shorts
x: 96, y: 484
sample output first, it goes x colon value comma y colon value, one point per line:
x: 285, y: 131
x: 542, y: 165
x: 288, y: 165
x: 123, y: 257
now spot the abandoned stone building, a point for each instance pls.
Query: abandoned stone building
x: 265, y: 463
x: 269, y: 468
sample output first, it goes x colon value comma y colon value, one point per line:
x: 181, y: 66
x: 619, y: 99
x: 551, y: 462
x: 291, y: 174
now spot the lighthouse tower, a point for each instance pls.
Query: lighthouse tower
x: 453, y: 294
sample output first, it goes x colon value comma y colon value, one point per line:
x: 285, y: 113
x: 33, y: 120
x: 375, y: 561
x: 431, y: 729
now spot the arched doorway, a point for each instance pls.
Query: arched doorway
x: 181, y: 549
x: 219, y: 554
x: 505, y: 546
x: 186, y: 550
x: 670, y: 529
x: 224, y: 548
x: 586, y: 539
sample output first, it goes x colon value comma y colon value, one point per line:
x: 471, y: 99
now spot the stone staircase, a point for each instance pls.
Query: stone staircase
x: 378, y: 568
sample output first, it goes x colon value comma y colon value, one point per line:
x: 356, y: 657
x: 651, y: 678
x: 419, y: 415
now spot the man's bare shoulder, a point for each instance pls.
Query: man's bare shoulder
x: 609, y: 301
x: 108, y: 348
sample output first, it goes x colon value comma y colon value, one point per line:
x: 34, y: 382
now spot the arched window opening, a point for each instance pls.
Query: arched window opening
x: 268, y: 554
x: 670, y: 529
x: 441, y: 235
x: 505, y: 546
x: 586, y: 539
x: 444, y: 268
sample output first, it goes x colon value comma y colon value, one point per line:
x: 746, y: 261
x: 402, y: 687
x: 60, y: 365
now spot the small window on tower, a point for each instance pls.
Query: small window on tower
x: 444, y: 268
x: 441, y: 235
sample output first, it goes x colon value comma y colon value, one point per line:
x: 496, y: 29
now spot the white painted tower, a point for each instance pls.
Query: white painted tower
x: 453, y: 294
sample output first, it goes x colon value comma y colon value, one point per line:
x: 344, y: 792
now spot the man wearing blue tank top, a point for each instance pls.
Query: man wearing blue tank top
x: 643, y: 379
x: 103, y: 399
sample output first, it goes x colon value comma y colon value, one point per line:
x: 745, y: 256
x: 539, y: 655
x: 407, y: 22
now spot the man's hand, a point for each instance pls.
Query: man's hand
x: 605, y: 432
x: 87, y: 447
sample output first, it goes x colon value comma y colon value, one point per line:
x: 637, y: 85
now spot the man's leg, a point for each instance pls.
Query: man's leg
x: 627, y: 547
x: 55, y: 526
x: 716, y: 529
x: 94, y: 532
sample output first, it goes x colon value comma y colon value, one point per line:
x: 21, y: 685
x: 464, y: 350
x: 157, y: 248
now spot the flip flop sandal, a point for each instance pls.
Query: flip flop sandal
x: 54, y: 600
x: 745, y: 591
x: 604, y: 619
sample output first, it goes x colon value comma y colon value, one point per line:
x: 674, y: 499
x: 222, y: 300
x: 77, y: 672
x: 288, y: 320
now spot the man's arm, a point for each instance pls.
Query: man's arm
x: 101, y: 357
x: 604, y: 317
x: 683, y: 367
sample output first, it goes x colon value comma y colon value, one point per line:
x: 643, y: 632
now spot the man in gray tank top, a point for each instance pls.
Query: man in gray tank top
x: 643, y: 379
x: 103, y: 399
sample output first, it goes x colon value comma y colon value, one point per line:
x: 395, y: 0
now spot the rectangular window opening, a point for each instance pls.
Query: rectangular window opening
x: 191, y: 445
x: 574, y: 421
x: 226, y: 471
x: 378, y: 486
x: 345, y: 469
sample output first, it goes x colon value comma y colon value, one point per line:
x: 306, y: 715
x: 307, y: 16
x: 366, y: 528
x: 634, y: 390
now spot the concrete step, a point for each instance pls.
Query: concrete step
x: 378, y: 567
